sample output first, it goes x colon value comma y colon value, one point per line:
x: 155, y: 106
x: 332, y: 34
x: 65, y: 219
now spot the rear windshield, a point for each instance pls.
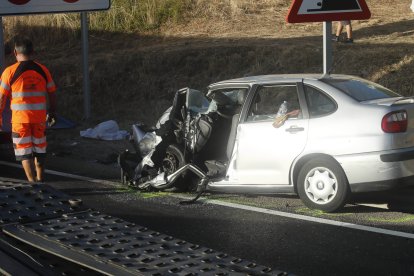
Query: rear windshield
x: 361, y: 90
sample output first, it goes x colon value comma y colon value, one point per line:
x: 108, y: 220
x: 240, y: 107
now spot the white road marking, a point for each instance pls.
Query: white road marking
x: 314, y: 219
x: 251, y: 208
x: 68, y: 175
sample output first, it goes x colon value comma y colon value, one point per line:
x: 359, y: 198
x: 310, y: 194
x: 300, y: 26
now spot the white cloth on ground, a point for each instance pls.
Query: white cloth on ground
x: 108, y: 131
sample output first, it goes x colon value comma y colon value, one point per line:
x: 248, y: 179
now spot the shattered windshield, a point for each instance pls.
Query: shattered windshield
x: 361, y: 90
x: 197, y: 101
x: 226, y: 97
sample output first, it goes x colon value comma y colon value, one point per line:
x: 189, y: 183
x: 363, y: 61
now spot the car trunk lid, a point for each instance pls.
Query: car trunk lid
x: 397, y: 101
x: 395, y: 109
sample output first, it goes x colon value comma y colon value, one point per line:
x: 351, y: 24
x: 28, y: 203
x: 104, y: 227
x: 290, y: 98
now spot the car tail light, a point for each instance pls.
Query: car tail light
x: 395, y: 122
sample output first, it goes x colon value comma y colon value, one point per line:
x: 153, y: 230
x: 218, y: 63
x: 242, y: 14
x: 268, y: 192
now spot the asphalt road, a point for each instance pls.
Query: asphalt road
x: 278, y: 240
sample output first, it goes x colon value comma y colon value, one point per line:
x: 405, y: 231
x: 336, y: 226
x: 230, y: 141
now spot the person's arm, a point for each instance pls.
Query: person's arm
x: 279, y: 121
x: 51, y: 93
x: 51, y: 116
x: 2, y: 105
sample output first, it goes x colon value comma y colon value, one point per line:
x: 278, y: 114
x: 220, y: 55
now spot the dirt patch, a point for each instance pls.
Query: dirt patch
x: 134, y: 76
x: 70, y: 145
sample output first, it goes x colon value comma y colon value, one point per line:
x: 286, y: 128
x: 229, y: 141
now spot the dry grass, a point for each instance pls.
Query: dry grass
x: 134, y: 74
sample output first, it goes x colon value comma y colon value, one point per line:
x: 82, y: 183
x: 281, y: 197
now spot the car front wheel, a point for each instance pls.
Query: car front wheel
x: 173, y: 160
x: 322, y: 184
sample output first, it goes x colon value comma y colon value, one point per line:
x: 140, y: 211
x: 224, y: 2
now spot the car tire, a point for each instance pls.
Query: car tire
x: 173, y: 160
x: 322, y: 184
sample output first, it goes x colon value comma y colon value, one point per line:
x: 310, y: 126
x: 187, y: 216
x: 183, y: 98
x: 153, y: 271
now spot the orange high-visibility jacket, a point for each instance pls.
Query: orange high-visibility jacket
x: 27, y: 83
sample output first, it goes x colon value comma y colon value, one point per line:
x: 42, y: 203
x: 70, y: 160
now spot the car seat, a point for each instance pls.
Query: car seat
x: 217, y: 168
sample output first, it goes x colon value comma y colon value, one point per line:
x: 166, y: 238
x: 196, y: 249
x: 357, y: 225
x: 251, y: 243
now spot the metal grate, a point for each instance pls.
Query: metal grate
x: 20, y: 203
x: 112, y: 246
x: 10, y: 183
x: 17, y: 258
x: 44, y: 218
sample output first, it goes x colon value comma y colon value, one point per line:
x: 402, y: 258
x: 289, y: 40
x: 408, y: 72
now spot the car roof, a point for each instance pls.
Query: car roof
x: 268, y: 79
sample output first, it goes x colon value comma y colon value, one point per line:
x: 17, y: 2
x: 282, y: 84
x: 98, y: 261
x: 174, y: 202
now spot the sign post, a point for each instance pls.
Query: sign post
x: 327, y: 11
x: 85, y: 59
x: 327, y: 47
x: 24, y: 7
x: 21, y: 7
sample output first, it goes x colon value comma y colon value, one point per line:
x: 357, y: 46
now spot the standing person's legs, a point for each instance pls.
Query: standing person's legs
x: 348, y: 26
x: 23, y: 148
x: 338, y: 32
x: 39, y: 163
x: 339, y: 28
x: 349, y: 31
x: 39, y: 149
x: 28, y: 168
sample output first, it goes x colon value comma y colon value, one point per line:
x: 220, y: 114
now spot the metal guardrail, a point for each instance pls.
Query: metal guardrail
x: 42, y: 217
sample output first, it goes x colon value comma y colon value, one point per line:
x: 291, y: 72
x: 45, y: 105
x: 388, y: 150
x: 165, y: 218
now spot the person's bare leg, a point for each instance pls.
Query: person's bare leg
x: 349, y: 31
x: 40, y: 168
x: 339, y: 29
x: 28, y: 168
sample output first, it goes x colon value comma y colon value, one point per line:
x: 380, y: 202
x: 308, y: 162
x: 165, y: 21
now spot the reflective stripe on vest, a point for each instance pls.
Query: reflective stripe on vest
x: 28, y: 94
x: 5, y: 86
x: 23, y: 140
x: 50, y: 84
x: 39, y: 150
x: 39, y: 141
x: 22, y: 152
x: 25, y: 107
x: 29, y: 139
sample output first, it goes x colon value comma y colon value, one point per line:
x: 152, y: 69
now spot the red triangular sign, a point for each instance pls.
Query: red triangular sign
x: 327, y: 10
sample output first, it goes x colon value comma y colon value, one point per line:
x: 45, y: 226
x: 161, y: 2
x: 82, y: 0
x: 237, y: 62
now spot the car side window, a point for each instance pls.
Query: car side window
x: 268, y: 100
x: 319, y: 104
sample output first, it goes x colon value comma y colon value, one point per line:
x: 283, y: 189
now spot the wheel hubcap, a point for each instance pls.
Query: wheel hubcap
x: 321, y: 185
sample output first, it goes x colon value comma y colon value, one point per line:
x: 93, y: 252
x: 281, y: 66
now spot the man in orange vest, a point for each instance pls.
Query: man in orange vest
x: 29, y: 85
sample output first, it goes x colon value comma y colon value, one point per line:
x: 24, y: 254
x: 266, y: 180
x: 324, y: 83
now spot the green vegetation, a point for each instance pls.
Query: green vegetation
x: 394, y: 220
x: 319, y: 213
x: 124, y: 16
x: 142, y: 51
x: 138, y: 15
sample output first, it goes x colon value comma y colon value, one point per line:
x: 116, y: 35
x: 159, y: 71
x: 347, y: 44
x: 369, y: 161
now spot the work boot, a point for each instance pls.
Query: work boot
x: 335, y: 38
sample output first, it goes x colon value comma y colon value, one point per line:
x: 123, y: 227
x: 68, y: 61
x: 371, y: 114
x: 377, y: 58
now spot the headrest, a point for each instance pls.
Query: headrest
x: 241, y: 97
x: 220, y: 98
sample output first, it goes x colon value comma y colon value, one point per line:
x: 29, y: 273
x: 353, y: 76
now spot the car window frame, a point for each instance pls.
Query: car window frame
x: 367, y: 82
x: 254, y: 91
x: 249, y: 87
x: 323, y: 93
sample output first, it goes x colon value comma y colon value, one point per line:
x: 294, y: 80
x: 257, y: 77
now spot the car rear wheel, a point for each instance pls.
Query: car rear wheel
x: 322, y: 184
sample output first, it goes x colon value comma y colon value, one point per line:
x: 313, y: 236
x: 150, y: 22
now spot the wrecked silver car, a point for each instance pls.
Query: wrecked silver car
x: 321, y: 137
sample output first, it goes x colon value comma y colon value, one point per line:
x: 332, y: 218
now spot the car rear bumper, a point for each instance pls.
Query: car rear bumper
x: 398, y: 156
x: 385, y: 185
x: 379, y: 171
